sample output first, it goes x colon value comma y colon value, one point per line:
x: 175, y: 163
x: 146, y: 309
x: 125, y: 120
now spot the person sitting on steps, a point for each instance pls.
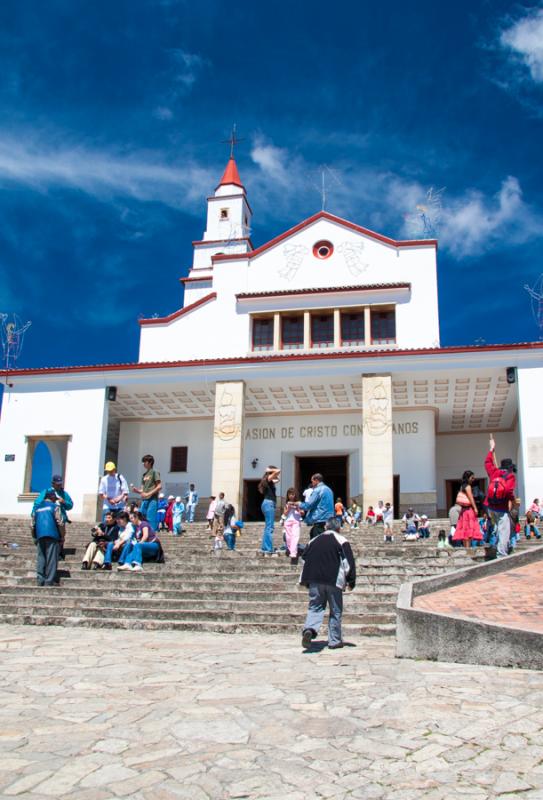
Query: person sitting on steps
x: 102, y: 534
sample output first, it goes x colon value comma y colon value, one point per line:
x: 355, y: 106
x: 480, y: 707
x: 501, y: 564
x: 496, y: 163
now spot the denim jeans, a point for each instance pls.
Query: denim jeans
x: 137, y: 552
x: 230, y: 539
x: 191, y: 509
x: 319, y: 595
x: 502, y: 524
x: 149, y: 510
x: 268, y: 509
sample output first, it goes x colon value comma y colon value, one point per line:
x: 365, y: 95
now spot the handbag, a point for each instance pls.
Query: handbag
x: 463, y: 500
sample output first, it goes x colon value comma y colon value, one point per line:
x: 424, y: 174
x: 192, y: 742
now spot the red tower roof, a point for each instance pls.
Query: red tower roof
x: 231, y: 174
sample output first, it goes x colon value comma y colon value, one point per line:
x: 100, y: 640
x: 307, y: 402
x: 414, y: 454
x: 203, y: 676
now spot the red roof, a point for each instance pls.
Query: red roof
x: 332, y: 218
x: 231, y: 175
x: 267, y: 358
x: 368, y: 287
x: 180, y: 312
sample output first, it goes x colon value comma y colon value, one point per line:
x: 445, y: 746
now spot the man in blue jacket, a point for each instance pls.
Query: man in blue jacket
x: 46, y: 520
x: 319, y: 507
x: 65, y: 504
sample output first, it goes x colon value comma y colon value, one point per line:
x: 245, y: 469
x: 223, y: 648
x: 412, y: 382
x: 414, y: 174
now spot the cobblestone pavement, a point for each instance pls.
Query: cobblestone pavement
x: 511, y: 598
x: 95, y: 714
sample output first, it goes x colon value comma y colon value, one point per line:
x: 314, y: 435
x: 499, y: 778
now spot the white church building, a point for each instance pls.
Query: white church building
x: 317, y: 351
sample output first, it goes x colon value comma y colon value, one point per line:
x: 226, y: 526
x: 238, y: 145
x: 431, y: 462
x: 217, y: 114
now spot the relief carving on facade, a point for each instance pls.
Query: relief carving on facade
x: 293, y: 255
x: 352, y: 255
x: 377, y: 410
x: 227, y: 428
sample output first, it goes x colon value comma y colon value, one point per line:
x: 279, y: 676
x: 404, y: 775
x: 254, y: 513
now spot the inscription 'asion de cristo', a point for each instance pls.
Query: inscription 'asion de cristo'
x: 324, y: 431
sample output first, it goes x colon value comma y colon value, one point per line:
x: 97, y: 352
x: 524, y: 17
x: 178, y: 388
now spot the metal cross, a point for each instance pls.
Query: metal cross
x: 233, y: 140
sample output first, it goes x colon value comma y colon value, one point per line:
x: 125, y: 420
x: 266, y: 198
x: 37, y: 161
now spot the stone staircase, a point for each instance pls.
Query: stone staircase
x: 196, y: 590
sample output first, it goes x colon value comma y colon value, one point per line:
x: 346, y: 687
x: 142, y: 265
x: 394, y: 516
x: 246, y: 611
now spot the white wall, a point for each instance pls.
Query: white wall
x: 194, y: 335
x: 458, y: 452
x: 157, y: 438
x: 530, y: 389
x: 80, y: 413
x: 277, y: 440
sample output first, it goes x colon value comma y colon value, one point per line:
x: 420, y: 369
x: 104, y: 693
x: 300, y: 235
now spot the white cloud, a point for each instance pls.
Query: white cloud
x: 102, y: 174
x: 271, y: 160
x: 473, y: 224
x: 186, y: 66
x: 524, y: 39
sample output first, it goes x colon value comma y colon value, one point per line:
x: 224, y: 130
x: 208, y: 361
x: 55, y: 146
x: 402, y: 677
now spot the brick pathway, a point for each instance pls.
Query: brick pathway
x: 513, y: 598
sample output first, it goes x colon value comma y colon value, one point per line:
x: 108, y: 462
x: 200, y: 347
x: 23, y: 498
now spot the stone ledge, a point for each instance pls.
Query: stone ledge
x: 440, y: 637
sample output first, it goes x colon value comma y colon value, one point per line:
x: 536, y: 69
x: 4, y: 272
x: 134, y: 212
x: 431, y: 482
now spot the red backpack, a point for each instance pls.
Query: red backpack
x: 497, y: 489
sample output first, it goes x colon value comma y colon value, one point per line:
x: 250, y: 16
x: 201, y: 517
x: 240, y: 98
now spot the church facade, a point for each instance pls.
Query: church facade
x: 317, y: 351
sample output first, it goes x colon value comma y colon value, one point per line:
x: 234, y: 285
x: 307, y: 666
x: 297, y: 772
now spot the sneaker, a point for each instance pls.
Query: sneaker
x: 107, y: 567
x: 96, y: 566
x: 124, y: 568
x: 335, y: 646
x: 137, y: 568
x: 84, y: 565
x: 294, y: 559
x: 307, y: 638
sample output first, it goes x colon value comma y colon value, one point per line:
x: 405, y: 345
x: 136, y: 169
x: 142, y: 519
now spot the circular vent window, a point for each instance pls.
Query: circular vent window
x: 323, y: 249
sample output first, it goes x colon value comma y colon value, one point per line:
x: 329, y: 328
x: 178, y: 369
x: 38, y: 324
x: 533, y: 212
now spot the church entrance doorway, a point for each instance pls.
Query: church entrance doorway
x: 334, y: 469
x: 252, y: 500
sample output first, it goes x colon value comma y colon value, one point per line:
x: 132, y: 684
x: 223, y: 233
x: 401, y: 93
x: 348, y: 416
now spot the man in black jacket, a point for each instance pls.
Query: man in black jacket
x: 328, y: 569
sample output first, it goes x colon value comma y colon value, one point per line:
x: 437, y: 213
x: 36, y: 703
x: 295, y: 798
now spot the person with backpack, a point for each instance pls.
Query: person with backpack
x: 329, y: 568
x: 500, y: 496
x: 113, y: 490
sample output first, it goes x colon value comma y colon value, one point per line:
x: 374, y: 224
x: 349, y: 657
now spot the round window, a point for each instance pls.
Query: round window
x: 323, y: 249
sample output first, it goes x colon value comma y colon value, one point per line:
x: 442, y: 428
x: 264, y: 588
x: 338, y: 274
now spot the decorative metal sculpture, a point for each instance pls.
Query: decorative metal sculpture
x: 536, y: 295
x: 424, y: 221
x: 12, y: 332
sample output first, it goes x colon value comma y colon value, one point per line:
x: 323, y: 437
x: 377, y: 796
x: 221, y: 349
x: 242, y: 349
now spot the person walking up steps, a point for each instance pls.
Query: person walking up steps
x: 329, y: 568
x: 320, y: 506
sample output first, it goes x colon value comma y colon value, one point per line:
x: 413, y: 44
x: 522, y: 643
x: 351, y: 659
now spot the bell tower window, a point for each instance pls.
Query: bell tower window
x: 224, y: 213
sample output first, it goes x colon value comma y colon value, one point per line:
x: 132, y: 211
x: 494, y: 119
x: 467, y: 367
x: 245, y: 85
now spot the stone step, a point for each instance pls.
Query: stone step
x: 124, y: 589
x: 236, y: 613
x: 195, y: 590
x: 349, y: 629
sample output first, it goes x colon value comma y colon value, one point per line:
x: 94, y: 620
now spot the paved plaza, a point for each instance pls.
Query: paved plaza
x: 509, y: 598
x: 97, y: 714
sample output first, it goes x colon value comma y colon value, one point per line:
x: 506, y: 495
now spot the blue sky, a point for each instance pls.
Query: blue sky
x: 111, y: 121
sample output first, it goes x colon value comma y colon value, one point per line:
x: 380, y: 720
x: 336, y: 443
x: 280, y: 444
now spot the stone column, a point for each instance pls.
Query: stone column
x: 226, y: 474
x: 377, y: 461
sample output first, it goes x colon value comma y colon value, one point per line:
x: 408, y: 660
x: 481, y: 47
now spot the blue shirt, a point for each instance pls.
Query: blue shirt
x: 320, y: 506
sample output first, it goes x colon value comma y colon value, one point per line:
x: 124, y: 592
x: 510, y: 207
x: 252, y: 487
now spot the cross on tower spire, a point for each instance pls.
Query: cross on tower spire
x: 232, y: 140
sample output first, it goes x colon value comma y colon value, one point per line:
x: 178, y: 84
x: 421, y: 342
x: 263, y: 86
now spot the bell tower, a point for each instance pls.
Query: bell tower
x: 228, y: 211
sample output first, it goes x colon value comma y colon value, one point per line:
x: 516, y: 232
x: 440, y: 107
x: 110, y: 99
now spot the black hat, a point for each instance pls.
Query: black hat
x: 508, y: 464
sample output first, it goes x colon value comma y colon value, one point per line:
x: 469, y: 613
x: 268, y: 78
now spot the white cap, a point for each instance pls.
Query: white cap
x: 171, y: 497
x: 177, y: 499
x: 424, y: 516
x: 161, y: 494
